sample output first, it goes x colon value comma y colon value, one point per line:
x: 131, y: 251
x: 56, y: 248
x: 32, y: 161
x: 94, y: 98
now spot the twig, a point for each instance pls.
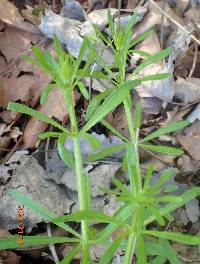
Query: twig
x: 162, y: 25
x: 7, y: 157
x: 194, y: 61
x: 194, y: 14
x: 46, y: 152
x: 52, y: 246
x: 175, y: 22
x: 188, y: 260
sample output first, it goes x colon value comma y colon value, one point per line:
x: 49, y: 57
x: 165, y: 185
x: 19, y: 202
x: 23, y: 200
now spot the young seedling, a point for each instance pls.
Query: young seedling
x: 144, y: 203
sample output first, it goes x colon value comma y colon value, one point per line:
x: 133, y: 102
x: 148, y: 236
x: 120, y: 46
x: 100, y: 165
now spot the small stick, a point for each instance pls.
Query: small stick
x: 175, y: 22
x: 52, y: 246
x: 196, y: 46
x: 194, y: 60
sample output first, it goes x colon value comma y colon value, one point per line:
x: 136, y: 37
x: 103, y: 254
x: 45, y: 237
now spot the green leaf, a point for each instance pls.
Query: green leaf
x: 113, y: 130
x: 169, y: 198
x: 157, y: 215
x: 141, y: 251
x: 164, y: 177
x: 170, y: 252
x: 162, y: 149
x: 185, y: 197
x: 159, y: 260
x: 58, y: 47
x: 110, y: 103
x: 96, y: 101
x: 46, y: 135
x: 77, y: 63
x: 140, y: 52
x: 141, y: 38
x: 110, y: 22
x: 165, y: 130
x: 71, y: 254
x: 138, y: 115
x: 154, y: 58
x: 122, y: 214
x: 155, y: 77
x: 46, y: 92
x: 83, y: 90
x: 52, y: 63
x: 121, y: 186
x: 148, y: 176
x: 38, y: 209
x: 88, y: 215
x: 109, y: 254
x: 41, y: 59
x: 15, y: 107
x: 65, y: 155
x: 154, y: 249
x: 106, y: 152
x: 93, y: 141
x: 12, y: 242
x: 171, y: 188
x: 175, y: 236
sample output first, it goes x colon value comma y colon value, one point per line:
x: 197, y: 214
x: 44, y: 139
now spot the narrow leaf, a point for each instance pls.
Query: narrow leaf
x: 175, y: 236
x: 38, y: 209
x: 154, y: 58
x: 110, y: 103
x: 46, y: 92
x: 141, y: 251
x: 65, y: 155
x: 185, y: 197
x: 162, y: 149
x: 71, y: 254
x: 106, y: 152
x: 15, y: 107
x: 165, y: 130
x: 93, y: 141
x: 88, y: 215
x: 107, y: 257
x: 12, y: 242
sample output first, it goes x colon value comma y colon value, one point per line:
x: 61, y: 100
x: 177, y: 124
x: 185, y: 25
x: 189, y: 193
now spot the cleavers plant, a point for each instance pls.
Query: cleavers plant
x: 141, y: 206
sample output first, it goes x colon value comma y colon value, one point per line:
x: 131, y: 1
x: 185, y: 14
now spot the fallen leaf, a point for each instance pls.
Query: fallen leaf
x: 195, y: 115
x: 29, y: 178
x: 190, y: 140
x: 54, y: 107
x: 162, y: 89
x: 187, y: 90
x: 9, y: 257
x: 193, y: 210
x: 26, y: 81
x: 10, y: 15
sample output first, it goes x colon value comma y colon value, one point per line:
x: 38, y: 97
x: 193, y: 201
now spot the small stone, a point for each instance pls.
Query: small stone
x: 73, y: 9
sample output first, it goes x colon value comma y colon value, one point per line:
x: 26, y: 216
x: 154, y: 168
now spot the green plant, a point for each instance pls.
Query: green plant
x: 143, y: 204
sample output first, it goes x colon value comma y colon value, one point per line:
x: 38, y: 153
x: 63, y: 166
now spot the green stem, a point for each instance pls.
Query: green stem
x: 81, y: 184
x: 82, y: 194
x: 136, y: 183
x: 130, y: 249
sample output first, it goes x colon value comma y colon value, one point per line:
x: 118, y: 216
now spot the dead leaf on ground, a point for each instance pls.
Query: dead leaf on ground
x: 190, y: 140
x: 187, y: 90
x: 54, y: 107
x: 9, y: 257
x: 10, y: 15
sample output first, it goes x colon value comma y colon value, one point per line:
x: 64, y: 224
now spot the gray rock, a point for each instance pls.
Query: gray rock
x: 66, y: 30
x: 105, y: 143
x: 31, y: 179
x: 100, y: 176
x: 192, y: 210
x: 72, y: 9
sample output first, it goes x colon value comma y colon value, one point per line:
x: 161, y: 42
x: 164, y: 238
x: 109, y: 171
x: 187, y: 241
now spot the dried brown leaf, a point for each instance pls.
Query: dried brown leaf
x: 10, y: 15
